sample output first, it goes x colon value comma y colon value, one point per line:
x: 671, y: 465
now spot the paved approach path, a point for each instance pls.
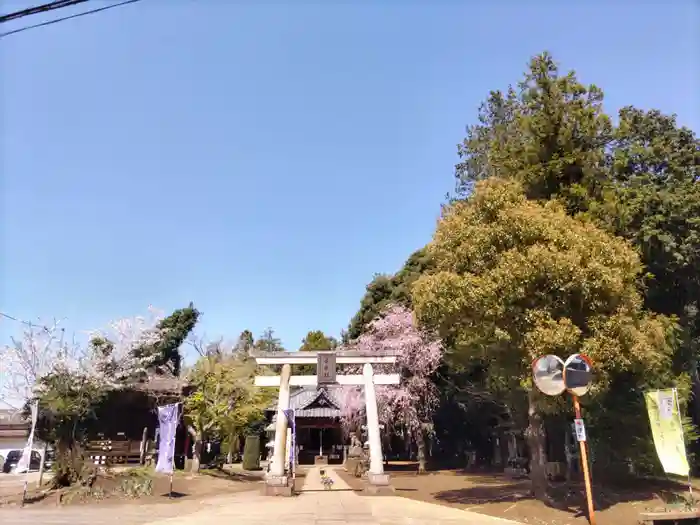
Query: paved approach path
x: 315, y: 506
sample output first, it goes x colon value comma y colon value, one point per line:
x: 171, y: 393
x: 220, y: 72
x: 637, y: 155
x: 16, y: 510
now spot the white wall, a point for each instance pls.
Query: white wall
x: 7, y: 444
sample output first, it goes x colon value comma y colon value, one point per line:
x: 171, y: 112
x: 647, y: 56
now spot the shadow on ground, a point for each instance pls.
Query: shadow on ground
x: 234, y: 475
x: 174, y: 495
x: 570, y: 498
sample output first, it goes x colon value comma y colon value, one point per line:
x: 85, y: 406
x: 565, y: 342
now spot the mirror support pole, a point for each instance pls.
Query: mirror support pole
x: 584, y: 465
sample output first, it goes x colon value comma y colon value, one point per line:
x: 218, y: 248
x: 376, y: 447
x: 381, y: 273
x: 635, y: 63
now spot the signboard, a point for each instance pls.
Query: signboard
x: 325, y: 368
x: 666, y: 403
x: 580, y: 430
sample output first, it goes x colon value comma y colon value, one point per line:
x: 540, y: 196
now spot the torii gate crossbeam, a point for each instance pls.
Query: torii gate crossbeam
x: 277, y: 478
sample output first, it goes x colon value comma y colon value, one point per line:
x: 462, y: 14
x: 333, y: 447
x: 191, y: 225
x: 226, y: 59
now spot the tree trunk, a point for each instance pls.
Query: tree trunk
x: 232, y: 442
x: 536, y: 444
x: 421, y: 452
x: 42, y: 464
x: 386, y: 448
x: 144, y: 446
x: 197, y: 454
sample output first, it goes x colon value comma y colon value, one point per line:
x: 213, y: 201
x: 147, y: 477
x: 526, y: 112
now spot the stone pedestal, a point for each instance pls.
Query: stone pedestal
x: 378, y: 485
x: 321, y: 460
x: 352, y: 465
x: 278, y: 486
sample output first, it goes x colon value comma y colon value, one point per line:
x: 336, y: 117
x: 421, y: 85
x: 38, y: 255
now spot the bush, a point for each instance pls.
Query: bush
x: 251, y: 453
x: 136, y: 485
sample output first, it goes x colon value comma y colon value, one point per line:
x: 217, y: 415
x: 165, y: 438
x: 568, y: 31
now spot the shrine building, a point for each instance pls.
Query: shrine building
x: 318, y: 427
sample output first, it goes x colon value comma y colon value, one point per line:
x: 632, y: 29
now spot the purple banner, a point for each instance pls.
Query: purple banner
x: 168, y: 417
x: 291, y: 421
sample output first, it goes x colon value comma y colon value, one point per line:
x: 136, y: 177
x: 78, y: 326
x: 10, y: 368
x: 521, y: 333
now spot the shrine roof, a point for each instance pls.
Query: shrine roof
x: 323, y: 402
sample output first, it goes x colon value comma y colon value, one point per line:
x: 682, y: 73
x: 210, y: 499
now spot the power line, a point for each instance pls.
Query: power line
x: 57, y: 4
x: 92, y: 11
x: 28, y: 323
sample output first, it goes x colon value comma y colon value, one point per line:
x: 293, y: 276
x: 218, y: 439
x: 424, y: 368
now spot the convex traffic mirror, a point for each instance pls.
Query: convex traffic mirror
x: 578, y: 374
x: 548, y: 374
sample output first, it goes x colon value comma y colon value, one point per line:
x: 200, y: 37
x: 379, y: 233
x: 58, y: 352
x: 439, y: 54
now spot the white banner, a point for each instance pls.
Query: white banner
x: 168, y: 419
x: 25, y: 461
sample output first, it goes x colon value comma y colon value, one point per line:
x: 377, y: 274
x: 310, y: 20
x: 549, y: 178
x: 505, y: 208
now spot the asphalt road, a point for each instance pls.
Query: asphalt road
x: 550, y: 385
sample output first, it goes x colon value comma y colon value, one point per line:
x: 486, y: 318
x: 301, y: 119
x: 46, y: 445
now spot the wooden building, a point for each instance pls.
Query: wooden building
x: 127, y: 420
x: 319, y: 431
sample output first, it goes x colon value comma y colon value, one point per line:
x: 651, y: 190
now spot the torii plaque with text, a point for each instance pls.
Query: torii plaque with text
x: 326, y: 368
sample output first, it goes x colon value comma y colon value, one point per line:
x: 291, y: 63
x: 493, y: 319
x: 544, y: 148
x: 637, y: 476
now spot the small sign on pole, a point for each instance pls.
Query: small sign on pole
x: 580, y: 430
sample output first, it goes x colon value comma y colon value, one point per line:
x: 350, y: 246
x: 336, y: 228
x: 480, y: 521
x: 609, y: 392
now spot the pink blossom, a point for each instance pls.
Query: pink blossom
x: 411, y: 404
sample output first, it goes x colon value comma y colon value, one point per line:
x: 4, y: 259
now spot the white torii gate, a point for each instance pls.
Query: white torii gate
x: 326, y: 362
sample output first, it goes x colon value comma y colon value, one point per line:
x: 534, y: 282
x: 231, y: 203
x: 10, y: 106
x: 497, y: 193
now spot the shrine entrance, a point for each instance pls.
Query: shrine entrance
x: 279, y: 479
x: 318, y: 427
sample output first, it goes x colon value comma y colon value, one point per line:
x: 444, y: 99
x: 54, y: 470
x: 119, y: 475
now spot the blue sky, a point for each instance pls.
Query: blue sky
x: 264, y: 159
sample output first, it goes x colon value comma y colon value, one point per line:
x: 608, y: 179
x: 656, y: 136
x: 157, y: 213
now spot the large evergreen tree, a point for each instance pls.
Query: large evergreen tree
x: 267, y: 342
x: 245, y: 343
x: 549, y: 133
x: 315, y: 341
x: 637, y: 179
x: 384, y: 290
x: 516, y: 279
x: 173, y: 331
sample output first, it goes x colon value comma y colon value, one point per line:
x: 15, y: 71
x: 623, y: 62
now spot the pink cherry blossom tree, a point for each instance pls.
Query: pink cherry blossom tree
x: 408, y: 407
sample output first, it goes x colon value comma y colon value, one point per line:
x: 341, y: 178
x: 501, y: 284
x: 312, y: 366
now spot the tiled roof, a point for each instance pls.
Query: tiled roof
x: 161, y: 384
x: 325, y: 402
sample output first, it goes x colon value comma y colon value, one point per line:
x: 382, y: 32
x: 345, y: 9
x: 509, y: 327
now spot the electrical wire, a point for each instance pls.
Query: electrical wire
x: 56, y: 4
x: 92, y: 11
x: 28, y: 323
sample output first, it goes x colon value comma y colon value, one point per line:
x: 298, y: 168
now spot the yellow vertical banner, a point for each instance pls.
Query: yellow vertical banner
x: 667, y: 430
